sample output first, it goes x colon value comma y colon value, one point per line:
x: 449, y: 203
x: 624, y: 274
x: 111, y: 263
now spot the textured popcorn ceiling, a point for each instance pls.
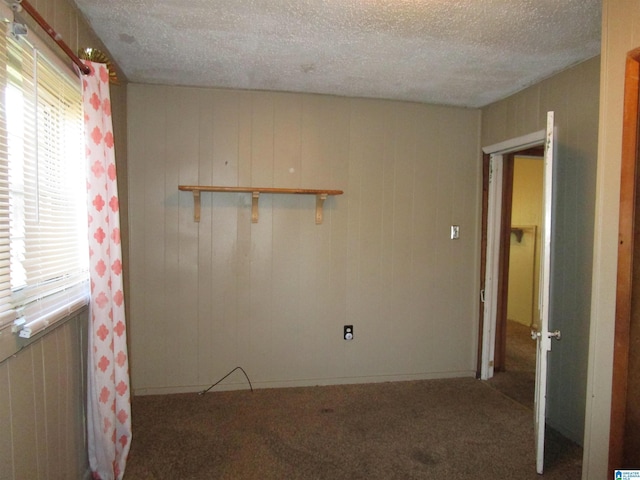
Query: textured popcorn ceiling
x: 455, y: 52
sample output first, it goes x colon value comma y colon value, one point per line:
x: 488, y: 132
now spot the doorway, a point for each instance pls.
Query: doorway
x: 498, y: 162
x: 515, y: 358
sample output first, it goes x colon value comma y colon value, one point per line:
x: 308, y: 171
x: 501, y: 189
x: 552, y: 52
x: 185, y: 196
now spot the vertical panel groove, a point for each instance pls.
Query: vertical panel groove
x: 273, y: 296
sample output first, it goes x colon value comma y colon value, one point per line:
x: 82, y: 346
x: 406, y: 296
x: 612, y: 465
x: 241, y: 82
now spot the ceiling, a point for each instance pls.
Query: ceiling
x: 454, y: 52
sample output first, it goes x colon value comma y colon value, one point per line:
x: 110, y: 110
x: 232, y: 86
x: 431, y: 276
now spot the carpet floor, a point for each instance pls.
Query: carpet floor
x: 451, y: 428
x: 518, y: 380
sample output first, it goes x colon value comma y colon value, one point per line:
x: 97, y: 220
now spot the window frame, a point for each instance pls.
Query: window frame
x: 58, y: 308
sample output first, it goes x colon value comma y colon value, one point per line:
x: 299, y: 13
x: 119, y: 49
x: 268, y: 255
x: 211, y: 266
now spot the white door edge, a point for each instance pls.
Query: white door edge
x: 492, y: 267
x: 544, y: 340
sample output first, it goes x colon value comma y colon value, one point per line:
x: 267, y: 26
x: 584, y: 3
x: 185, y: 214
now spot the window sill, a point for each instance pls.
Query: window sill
x: 11, y: 344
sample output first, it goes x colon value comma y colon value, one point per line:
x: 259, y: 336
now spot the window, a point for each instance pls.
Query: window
x: 43, y: 214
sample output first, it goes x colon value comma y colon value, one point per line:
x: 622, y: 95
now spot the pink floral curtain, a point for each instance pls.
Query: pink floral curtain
x: 108, y: 402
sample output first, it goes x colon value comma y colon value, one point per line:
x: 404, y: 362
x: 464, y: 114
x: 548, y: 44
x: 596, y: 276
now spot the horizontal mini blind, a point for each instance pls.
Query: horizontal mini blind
x: 47, y: 189
x: 7, y: 312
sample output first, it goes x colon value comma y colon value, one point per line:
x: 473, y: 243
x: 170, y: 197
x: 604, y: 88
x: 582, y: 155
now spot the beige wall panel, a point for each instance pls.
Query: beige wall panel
x: 273, y: 296
x: 6, y: 439
x: 155, y: 334
x: 64, y: 20
x: 287, y: 141
x: 207, y: 143
x: 620, y: 34
x: 527, y: 111
x: 245, y: 107
x: 42, y: 407
x: 39, y: 412
x: 181, y: 256
x: 323, y: 144
x: 322, y: 126
x: 82, y: 33
x: 53, y: 415
x: 291, y: 320
x: 136, y: 264
x: 454, y: 178
x: 262, y: 129
x: 289, y: 317
x: 336, y: 215
x: 74, y: 399
x: 570, y: 95
x: 365, y: 196
x: 210, y: 169
x: 575, y: 224
x: 69, y: 382
x: 493, y: 125
x: 23, y: 422
x: 256, y: 349
x: 425, y: 280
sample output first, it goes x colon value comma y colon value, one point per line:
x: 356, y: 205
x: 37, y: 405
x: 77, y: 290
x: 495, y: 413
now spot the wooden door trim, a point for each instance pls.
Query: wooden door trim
x: 486, y: 172
x: 624, y: 287
x: 536, y: 151
x: 500, y: 352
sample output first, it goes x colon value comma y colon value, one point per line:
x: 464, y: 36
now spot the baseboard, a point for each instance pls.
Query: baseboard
x: 242, y: 384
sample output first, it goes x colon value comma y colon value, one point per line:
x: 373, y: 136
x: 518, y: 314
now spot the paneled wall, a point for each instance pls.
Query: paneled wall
x: 573, y: 95
x: 42, y: 398
x: 273, y: 296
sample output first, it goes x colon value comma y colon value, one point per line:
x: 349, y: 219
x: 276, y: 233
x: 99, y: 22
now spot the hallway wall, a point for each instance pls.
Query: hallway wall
x: 573, y: 95
x: 524, y: 255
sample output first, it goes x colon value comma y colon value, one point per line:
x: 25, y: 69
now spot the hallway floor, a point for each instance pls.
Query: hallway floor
x: 518, y: 379
x: 518, y: 383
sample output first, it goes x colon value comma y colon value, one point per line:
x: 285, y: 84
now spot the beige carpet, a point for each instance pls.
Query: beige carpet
x: 437, y: 429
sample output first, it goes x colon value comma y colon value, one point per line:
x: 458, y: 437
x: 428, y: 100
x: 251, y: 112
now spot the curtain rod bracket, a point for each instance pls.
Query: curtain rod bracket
x: 20, y: 5
x: 16, y: 6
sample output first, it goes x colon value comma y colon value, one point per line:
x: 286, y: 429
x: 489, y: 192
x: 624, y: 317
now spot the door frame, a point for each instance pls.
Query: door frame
x: 627, y: 293
x: 494, y: 269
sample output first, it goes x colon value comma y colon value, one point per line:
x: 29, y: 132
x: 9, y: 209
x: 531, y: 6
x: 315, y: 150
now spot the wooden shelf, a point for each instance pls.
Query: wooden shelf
x: 519, y: 231
x: 321, y: 196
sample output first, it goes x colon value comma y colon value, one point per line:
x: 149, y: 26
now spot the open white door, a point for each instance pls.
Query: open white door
x: 540, y: 331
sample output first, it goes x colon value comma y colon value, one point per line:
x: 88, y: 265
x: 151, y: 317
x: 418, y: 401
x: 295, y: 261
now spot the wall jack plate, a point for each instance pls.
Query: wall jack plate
x: 348, y: 332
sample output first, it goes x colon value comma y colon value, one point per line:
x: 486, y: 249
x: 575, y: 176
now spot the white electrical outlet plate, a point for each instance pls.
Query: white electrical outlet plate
x: 455, y: 232
x: 348, y: 332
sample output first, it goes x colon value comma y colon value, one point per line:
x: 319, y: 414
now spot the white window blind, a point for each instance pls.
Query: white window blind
x: 43, y: 216
x: 7, y: 312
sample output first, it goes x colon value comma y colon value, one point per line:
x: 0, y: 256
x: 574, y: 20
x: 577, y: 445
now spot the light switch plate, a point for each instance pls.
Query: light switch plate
x: 455, y: 232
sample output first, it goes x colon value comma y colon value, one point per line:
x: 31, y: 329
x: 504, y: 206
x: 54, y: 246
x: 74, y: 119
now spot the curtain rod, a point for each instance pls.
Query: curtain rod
x: 25, y: 5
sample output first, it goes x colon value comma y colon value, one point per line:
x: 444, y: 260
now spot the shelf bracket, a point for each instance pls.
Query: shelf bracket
x: 196, y: 205
x: 320, y: 198
x: 255, y: 196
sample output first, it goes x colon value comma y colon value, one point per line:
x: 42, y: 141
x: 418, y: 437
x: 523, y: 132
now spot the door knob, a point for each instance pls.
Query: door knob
x: 556, y: 334
x: 536, y: 334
